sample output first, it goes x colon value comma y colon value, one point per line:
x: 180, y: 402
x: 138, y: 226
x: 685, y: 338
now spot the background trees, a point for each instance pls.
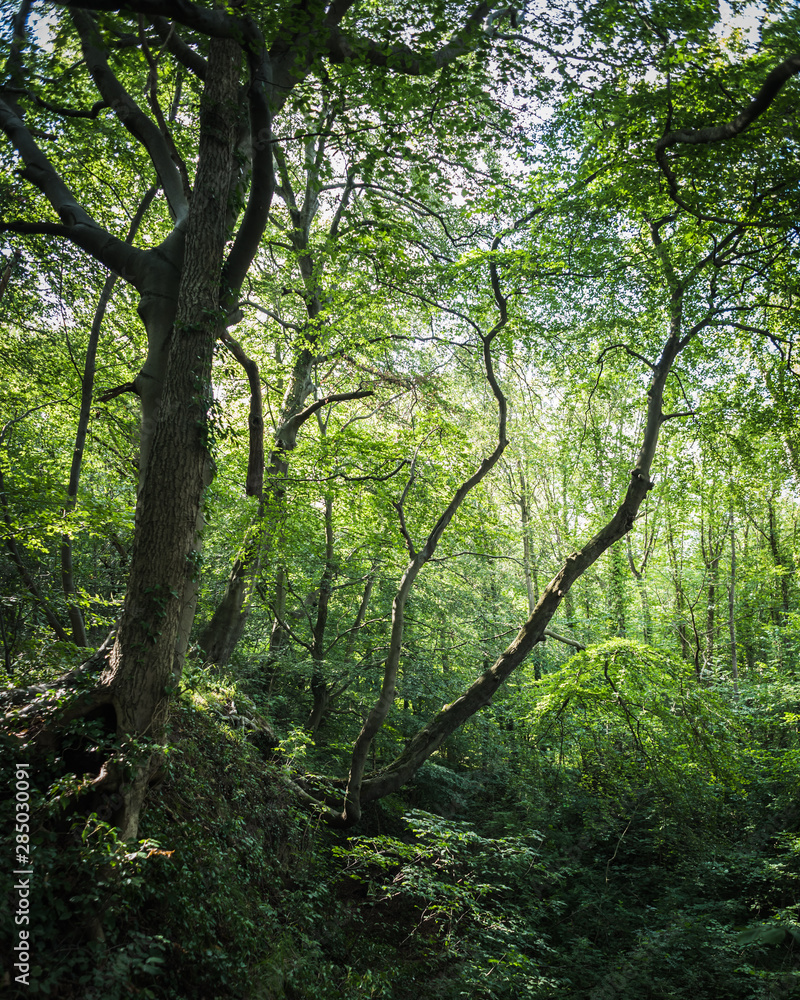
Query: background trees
x: 466, y: 409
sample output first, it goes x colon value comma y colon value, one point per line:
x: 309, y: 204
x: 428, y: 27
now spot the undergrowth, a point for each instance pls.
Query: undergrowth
x: 583, y: 874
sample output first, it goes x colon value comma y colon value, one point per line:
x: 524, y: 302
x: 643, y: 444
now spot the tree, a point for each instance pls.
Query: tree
x: 188, y: 280
x: 674, y: 275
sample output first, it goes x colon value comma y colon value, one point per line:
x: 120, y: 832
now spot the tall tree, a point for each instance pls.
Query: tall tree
x: 188, y: 281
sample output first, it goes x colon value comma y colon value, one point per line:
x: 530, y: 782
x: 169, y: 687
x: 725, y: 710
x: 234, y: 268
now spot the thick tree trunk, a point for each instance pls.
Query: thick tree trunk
x: 139, y: 675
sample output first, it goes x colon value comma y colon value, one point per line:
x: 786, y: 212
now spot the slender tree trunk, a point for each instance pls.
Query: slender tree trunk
x: 319, y: 686
x: 680, y: 597
x: 641, y: 587
x: 526, y: 542
x: 712, y: 554
x: 278, y: 637
x: 782, y: 611
x: 480, y: 693
x: 732, y: 616
x: 87, y: 387
x: 7, y: 272
x: 616, y: 591
x: 224, y: 630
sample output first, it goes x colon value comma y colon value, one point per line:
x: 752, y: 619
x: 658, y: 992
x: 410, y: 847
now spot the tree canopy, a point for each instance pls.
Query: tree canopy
x: 423, y: 381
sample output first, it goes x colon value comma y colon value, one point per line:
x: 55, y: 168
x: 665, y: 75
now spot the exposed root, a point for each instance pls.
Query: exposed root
x: 40, y: 714
x: 69, y: 696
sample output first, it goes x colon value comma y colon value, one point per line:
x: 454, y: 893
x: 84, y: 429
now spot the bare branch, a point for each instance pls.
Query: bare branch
x: 214, y: 22
x: 57, y: 109
x: 119, y: 390
x: 628, y: 350
x: 379, y: 711
x: 288, y: 430
x: 173, y: 42
x: 562, y: 638
x: 342, y: 48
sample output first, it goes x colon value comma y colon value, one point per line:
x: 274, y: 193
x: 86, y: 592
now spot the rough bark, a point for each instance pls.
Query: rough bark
x: 139, y: 674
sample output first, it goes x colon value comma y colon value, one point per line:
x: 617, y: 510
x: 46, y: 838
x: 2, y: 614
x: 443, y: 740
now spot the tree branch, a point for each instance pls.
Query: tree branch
x: 769, y: 90
x: 288, y: 430
x: 254, y: 484
x: 342, y: 48
x: 262, y: 180
x: 140, y: 126
x: 77, y: 225
x: 184, y: 53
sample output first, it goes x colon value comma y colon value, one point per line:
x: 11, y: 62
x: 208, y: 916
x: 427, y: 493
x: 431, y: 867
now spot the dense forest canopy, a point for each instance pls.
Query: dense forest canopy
x: 413, y: 393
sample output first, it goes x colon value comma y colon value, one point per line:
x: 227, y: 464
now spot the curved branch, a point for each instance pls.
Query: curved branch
x: 57, y: 109
x: 563, y: 638
x: 628, y: 350
x: 341, y: 48
x: 213, y: 22
x: 288, y: 431
x: 77, y: 225
x: 140, y: 126
x: 184, y: 53
x: 717, y: 133
x: 380, y: 710
x: 769, y: 90
x: 254, y: 485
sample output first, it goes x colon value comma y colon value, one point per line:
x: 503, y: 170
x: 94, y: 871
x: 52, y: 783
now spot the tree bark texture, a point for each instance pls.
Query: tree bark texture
x: 140, y: 669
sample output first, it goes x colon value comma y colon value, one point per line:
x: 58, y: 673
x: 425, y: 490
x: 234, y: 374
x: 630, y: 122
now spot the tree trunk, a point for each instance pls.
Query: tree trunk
x: 481, y: 692
x: 319, y: 687
x: 526, y: 544
x: 731, y: 616
x: 87, y: 386
x: 175, y: 457
x: 680, y: 597
x: 712, y: 553
x: 781, y: 614
x: 617, y: 591
x: 224, y: 630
